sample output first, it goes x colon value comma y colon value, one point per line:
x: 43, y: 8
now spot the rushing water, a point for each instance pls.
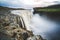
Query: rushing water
x: 42, y: 25
x: 45, y: 27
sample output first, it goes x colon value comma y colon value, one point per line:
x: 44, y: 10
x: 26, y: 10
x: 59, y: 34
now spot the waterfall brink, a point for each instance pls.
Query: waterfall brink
x: 16, y: 25
x: 25, y: 15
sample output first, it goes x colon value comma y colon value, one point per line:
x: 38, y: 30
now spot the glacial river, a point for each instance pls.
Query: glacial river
x: 45, y: 27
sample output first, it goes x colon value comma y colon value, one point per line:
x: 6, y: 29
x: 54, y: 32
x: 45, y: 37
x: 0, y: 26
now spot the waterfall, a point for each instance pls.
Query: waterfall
x: 26, y: 15
x: 40, y: 25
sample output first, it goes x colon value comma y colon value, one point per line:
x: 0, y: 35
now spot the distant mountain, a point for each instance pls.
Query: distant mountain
x: 1, y: 7
x: 52, y: 8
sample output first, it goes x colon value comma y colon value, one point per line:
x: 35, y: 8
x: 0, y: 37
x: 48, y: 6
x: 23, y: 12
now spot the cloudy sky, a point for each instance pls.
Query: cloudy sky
x: 28, y: 3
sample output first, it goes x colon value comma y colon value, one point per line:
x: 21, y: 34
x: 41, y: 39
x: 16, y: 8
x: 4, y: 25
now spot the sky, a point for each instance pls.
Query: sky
x: 28, y: 3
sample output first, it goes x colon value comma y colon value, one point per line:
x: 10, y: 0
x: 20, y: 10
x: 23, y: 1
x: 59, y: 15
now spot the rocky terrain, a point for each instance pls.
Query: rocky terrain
x: 11, y: 31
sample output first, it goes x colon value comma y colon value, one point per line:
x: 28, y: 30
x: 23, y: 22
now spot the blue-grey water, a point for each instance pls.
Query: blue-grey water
x: 46, y: 27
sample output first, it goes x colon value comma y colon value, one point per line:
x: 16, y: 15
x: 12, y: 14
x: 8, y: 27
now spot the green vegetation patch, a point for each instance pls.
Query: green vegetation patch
x: 48, y: 9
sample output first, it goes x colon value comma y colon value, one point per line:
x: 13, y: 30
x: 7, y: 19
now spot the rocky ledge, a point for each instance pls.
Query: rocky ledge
x: 11, y: 31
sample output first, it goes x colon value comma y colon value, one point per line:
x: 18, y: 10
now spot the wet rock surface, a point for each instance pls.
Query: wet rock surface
x: 12, y: 31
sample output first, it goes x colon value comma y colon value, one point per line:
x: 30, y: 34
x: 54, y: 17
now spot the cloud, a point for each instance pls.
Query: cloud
x: 58, y: 2
x: 27, y: 3
x: 10, y: 3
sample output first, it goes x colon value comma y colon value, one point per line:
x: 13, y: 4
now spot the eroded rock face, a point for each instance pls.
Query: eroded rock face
x: 14, y: 32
